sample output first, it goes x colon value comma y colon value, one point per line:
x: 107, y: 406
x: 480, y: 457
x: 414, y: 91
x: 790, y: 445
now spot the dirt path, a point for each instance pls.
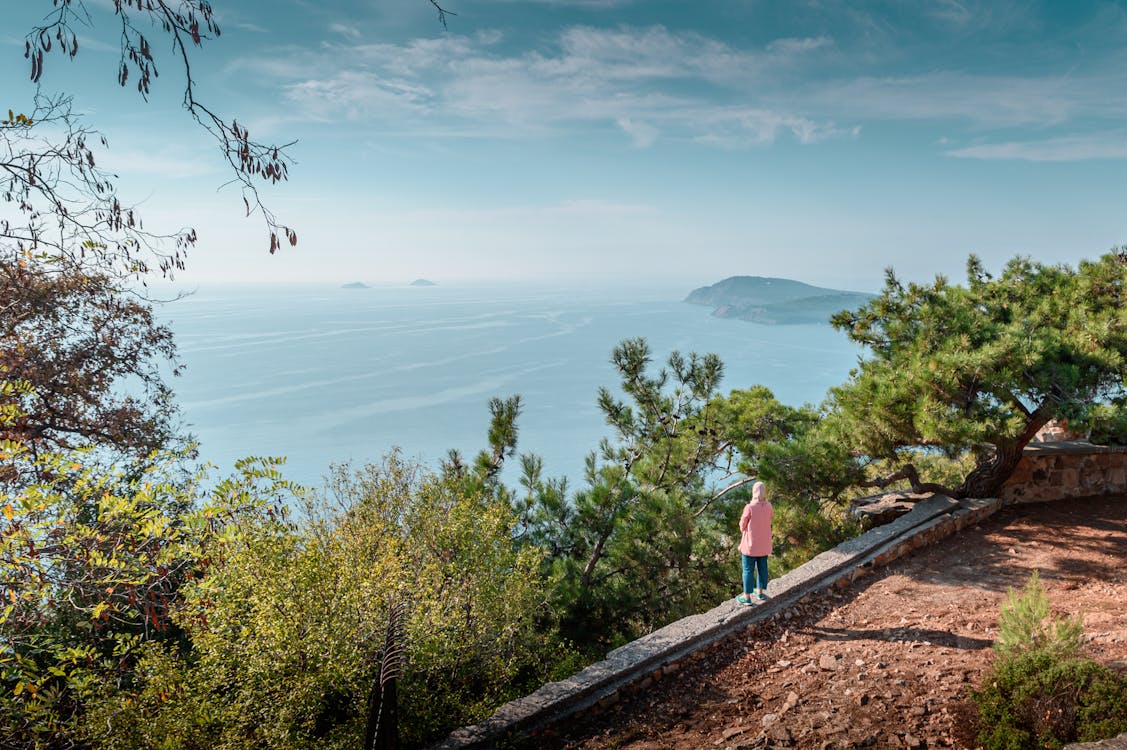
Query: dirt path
x: 889, y: 661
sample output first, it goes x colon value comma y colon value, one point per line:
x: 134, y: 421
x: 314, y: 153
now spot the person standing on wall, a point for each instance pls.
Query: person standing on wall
x: 755, y: 544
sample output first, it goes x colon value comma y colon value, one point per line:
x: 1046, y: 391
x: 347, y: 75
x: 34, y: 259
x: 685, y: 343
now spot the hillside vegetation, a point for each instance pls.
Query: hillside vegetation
x: 143, y: 610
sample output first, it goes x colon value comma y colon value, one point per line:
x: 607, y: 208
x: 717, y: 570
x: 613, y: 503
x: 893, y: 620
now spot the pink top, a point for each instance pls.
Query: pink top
x: 755, y: 525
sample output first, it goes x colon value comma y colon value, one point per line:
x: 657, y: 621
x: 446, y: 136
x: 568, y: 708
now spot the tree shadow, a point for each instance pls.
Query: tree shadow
x: 1002, y: 552
x: 915, y: 635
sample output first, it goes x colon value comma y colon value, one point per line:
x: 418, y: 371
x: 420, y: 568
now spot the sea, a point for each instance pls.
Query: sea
x: 323, y: 375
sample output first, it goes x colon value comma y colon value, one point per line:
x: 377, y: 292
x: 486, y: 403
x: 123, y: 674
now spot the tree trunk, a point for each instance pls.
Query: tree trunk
x: 988, y: 476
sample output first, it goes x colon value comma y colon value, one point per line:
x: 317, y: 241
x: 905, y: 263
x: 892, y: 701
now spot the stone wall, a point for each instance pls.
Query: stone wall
x: 1048, y: 471
x: 1057, y: 471
x: 638, y: 664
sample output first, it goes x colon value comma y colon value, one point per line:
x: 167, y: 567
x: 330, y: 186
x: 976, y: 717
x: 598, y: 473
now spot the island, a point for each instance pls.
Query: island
x: 774, y: 301
x: 423, y: 282
x: 355, y: 285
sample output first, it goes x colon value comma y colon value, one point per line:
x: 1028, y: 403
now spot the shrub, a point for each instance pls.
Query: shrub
x: 1040, y: 693
x: 804, y: 528
x: 1107, y: 424
x: 1026, y: 625
x: 1038, y: 700
x: 286, y: 628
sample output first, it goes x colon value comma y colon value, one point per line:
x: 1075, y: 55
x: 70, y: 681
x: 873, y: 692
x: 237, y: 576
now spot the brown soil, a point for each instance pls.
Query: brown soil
x: 889, y: 661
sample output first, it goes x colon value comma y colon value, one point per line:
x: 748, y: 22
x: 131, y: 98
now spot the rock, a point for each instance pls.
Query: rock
x: 733, y: 732
x: 780, y: 735
x: 791, y: 702
x: 877, y: 510
x: 769, y: 719
x: 1116, y: 743
x: 827, y: 662
x: 912, y: 741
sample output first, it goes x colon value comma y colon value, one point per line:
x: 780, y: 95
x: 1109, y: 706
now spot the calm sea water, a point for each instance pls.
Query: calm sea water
x: 326, y: 375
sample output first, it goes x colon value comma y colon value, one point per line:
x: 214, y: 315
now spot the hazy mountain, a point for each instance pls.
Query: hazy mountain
x: 763, y: 299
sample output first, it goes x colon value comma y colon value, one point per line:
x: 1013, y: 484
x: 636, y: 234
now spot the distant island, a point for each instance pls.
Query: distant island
x: 423, y: 282
x: 354, y: 285
x: 763, y: 299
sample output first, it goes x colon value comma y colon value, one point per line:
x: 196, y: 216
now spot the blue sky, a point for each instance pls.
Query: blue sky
x: 675, y: 142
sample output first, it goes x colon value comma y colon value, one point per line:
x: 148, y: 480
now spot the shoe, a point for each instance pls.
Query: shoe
x: 760, y: 595
x: 745, y: 599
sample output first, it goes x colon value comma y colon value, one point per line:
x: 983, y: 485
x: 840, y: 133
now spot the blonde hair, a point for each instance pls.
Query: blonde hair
x: 758, y: 492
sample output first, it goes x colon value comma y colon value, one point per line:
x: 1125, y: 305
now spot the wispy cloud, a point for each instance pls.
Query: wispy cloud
x: 986, y: 101
x: 346, y: 30
x: 642, y: 134
x: 1068, y: 148
x: 644, y: 82
x: 652, y: 83
x: 789, y: 46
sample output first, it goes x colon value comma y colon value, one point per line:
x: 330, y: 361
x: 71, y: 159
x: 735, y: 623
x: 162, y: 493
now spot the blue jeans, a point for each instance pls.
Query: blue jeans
x: 754, y: 566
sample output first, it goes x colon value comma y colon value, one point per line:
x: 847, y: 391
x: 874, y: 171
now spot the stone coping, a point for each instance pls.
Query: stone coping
x: 1071, y: 447
x: 663, y: 648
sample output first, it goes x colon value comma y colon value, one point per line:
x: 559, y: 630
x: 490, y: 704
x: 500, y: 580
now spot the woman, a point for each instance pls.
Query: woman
x: 755, y: 544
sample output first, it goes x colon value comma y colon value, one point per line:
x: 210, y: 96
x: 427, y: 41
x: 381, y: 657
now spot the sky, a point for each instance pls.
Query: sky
x: 592, y: 141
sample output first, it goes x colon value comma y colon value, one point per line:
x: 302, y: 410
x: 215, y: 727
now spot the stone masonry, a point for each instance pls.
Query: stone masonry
x: 1047, y: 471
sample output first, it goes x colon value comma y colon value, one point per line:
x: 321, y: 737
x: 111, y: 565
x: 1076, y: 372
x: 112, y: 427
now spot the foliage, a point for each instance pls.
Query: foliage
x: 1106, y: 423
x: 135, y: 615
x: 67, y: 208
x: 1039, y: 692
x: 804, y: 528
x: 90, y: 361
x: 941, y: 467
x: 799, y: 451
x: 982, y: 367
x: 1026, y: 625
x: 644, y: 542
x: 651, y: 536
x: 1037, y: 700
x: 286, y: 630
x: 90, y: 564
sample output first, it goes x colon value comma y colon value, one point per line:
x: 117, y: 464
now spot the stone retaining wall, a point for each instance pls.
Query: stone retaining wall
x: 1048, y: 471
x: 1056, y: 471
x: 638, y: 664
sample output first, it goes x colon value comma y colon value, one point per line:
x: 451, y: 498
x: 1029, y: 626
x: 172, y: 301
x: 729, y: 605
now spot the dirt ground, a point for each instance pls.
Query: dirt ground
x: 889, y: 661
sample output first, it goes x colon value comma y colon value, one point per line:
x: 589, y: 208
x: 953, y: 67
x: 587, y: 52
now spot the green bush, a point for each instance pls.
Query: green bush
x: 287, y: 631
x: 1107, y: 424
x: 1040, y: 693
x: 1026, y: 625
x: 804, y: 528
x: 1038, y: 700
